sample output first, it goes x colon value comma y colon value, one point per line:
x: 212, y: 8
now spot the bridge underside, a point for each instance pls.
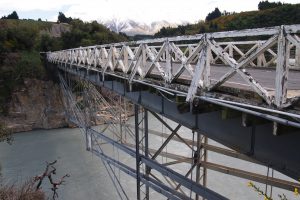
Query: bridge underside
x: 249, y: 135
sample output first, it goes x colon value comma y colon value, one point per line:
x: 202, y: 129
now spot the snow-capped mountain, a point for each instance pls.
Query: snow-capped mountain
x: 131, y: 27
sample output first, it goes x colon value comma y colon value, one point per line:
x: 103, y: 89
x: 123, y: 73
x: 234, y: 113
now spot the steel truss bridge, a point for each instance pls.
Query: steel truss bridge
x: 239, y: 88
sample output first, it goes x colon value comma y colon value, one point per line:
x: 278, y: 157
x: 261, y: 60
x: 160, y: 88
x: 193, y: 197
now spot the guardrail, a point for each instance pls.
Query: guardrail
x: 192, y: 57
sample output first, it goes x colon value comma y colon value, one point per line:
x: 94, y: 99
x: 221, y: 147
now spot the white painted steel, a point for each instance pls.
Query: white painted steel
x: 194, y: 56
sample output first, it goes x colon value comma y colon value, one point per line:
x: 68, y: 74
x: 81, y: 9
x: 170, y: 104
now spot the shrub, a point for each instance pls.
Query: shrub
x: 26, y: 192
x: 5, y: 134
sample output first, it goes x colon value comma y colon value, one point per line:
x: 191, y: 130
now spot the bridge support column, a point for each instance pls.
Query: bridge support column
x: 137, y: 150
x: 201, y: 155
x: 88, y: 139
x: 139, y: 139
x: 87, y: 116
x: 146, y: 150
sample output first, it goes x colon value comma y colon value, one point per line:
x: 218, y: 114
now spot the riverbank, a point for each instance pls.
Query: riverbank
x: 37, y: 104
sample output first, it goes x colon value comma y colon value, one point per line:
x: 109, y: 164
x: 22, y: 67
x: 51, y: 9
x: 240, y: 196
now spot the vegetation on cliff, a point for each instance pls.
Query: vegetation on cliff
x: 22, y: 40
x: 269, y: 14
x: 86, y: 34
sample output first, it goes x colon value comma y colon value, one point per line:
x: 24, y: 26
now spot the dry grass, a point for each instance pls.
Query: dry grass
x: 25, y: 192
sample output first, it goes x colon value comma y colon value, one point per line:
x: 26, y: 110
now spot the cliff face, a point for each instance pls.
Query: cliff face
x: 37, y: 104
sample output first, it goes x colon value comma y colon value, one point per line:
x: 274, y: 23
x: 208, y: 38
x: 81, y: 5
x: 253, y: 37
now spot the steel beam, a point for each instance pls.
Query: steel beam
x: 198, y: 189
x: 156, y: 185
x: 137, y: 150
x: 287, y: 185
x: 146, y: 150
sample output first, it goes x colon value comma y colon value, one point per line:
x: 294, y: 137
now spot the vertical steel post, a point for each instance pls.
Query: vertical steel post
x: 282, y: 69
x: 199, y: 138
x: 137, y: 150
x: 146, y: 149
x: 87, y: 113
x: 207, y: 70
x: 230, y: 50
x: 121, y: 121
x: 168, y: 62
x: 205, y: 160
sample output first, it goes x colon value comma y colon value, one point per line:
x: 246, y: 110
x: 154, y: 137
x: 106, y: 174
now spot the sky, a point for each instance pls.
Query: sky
x: 147, y: 11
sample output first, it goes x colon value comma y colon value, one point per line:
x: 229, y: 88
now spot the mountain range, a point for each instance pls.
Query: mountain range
x: 131, y: 27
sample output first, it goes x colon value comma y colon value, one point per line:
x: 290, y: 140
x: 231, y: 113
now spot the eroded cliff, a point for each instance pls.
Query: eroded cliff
x: 37, y: 104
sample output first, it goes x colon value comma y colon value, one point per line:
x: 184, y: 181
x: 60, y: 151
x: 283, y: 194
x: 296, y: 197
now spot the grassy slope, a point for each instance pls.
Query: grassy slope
x: 284, y: 15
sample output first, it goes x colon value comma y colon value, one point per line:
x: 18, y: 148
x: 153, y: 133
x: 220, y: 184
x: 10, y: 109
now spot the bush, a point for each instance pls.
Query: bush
x: 29, y: 66
x: 86, y: 34
x: 5, y: 134
x: 47, y: 43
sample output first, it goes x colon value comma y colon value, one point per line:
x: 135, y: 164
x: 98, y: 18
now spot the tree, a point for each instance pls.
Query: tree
x: 13, y: 15
x: 213, y: 15
x: 263, y: 5
x: 63, y: 19
x: 181, y: 29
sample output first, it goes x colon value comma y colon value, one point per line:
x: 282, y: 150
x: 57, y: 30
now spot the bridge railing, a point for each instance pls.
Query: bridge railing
x: 195, y: 59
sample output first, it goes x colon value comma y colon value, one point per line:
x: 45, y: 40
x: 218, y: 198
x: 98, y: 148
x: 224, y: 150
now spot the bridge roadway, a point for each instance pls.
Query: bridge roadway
x: 255, y: 139
x: 264, y: 76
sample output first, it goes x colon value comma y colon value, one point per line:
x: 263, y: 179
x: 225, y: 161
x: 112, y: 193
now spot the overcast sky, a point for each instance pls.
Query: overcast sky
x: 175, y: 11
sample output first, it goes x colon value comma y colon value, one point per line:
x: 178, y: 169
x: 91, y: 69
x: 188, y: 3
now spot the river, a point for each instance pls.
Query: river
x: 88, y: 179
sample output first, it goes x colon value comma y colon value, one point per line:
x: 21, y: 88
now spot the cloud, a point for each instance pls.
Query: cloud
x: 139, y: 10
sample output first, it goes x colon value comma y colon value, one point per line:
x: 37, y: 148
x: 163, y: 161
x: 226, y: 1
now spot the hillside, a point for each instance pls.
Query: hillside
x: 285, y: 14
x: 22, y: 40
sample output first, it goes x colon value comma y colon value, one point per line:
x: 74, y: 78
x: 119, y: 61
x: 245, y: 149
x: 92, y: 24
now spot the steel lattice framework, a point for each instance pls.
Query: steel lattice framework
x: 190, y: 58
x: 85, y: 102
x: 184, y: 68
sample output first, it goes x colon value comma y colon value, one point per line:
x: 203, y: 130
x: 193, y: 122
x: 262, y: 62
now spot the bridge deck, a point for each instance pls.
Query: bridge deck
x: 265, y: 76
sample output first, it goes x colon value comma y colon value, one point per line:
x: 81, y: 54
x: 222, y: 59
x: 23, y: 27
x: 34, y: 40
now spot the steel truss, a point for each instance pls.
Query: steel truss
x: 133, y: 140
x: 190, y: 58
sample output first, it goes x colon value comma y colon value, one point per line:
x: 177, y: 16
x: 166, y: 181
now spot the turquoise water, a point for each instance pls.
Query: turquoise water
x: 30, y: 150
x: 89, y: 179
